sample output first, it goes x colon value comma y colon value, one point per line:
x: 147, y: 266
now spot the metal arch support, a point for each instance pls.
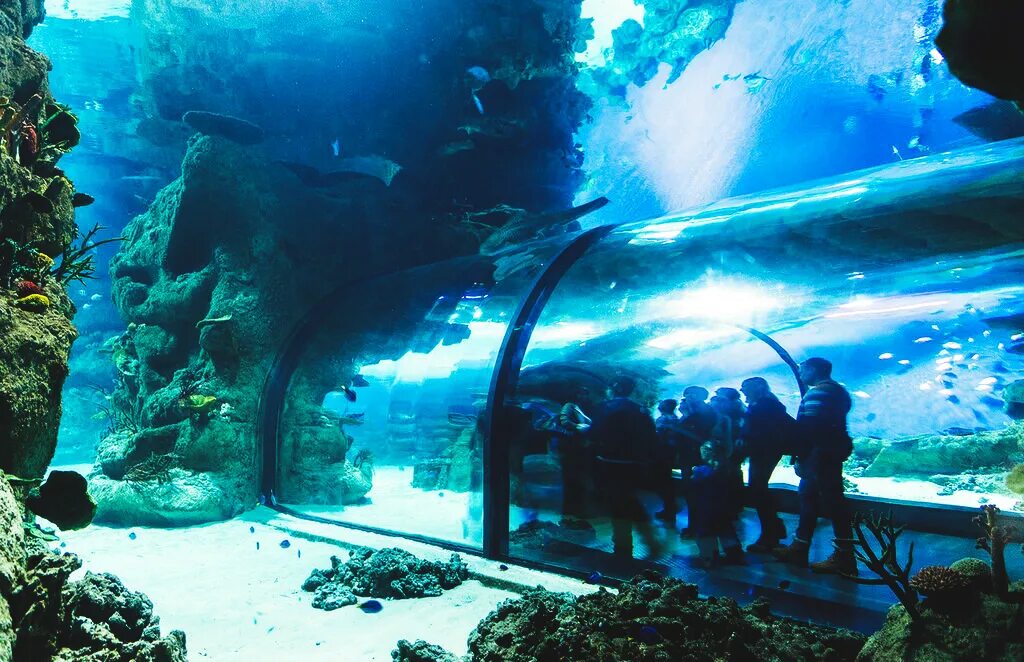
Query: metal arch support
x: 496, y: 494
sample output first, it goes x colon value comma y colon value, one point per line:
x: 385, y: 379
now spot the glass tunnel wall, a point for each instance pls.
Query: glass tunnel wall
x: 394, y: 375
x: 908, y: 278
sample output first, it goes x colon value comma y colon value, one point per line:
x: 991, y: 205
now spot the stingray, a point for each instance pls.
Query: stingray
x: 314, y: 178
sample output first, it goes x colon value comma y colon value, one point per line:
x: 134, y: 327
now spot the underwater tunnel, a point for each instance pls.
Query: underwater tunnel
x: 908, y: 277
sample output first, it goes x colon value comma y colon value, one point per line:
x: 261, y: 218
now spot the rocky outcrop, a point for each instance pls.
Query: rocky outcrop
x: 36, y: 226
x: 927, y: 455
x: 386, y: 573
x: 651, y: 618
x: 43, y: 616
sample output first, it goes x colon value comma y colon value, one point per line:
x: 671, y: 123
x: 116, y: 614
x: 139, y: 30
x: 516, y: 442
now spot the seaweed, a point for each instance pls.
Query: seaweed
x: 78, y: 262
x: 884, y: 563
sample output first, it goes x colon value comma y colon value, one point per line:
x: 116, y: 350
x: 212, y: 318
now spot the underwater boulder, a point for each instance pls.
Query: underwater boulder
x: 981, y: 41
x: 1013, y: 396
x: 943, y: 454
x: 63, y: 499
x: 421, y: 651
x: 234, y: 129
x: 187, y: 498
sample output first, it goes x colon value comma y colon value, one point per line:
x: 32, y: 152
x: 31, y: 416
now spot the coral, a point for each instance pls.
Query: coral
x: 651, y: 618
x: 386, y: 573
x: 1015, y: 479
x: 64, y: 500
x: 885, y: 563
x: 978, y: 573
x: 36, y: 302
x: 993, y: 540
x: 937, y: 580
x: 27, y: 287
x: 421, y: 651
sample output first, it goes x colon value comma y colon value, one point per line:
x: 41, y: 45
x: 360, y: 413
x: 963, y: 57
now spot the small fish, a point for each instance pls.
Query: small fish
x: 949, y: 375
x: 649, y: 634
x: 904, y: 362
x: 991, y: 401
x: 958, y: 432
x: 252, y: 529
x: 262, y: 500
x: 336, y: 147
x: 870, y: 417
x: 273, y: 499
x: 86, y: 306
x: 371, y: 607
x: 479, y: 104
x: 456, y: 147
x: 954, y: 399
x: 923, y: 339
x: 350, y: 394
x: 755, y: 82
x: 952, y: 345
x: 594, y: 577
x: 784, y: 584
x: 351, y: 420
x: 257, y: 546
x: 947, y: 384
x: 360, y: 382
x: 461, y: 420
x: 300, y: 553
x: 885, y: 356
x: 132, y: 536
x: 82, y: 200
x: 896, y: 152
x: 479, y: 73
x: 503, y: 567
x: 96, y: 297
x: 440, y: 494
x: 862, y: 394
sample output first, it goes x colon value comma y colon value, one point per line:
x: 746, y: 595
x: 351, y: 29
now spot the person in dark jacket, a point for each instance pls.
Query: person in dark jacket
x: 767, y: 429
x: 711, y: 511
x: 624, y: 440
x: 821, y: 426
x: 670, y: 438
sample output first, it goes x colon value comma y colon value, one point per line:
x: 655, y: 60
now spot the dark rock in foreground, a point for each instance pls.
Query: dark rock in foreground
x: 651, y: 618
x: 421, y: 651
x: 386, y: 573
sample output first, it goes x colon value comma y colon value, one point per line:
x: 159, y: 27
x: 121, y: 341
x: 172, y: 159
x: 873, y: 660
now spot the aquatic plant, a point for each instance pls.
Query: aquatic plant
x: 15, y: 117
x: 993, y: 540
x: 58, y: 131
x: 884, y: 563
x: 156, y: 467
x: 78, y: 262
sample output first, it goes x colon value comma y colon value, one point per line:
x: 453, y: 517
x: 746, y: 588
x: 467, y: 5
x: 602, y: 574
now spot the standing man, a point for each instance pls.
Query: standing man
x: 767, y: 434
x: 669, y: 440
x: 625, y: 439
x: 821, y: 426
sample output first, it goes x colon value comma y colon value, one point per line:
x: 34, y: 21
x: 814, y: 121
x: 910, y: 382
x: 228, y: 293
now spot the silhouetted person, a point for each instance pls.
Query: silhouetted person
x: 821, y: 426
x: 767, y: 432
x: 571, y: 446
x: 624, y: 439
x: 670, y: 438
x: 699, y: 423
x: 711, y: 510
x: 727, y: 403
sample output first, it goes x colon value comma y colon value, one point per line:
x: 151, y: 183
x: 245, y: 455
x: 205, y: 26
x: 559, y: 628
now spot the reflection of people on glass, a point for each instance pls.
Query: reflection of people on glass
x: 821, y: 424
x: 624, y: 439
x: 670, y: 438
x: 767, y: 434
x: 711, y: 509
x: 571, y: 447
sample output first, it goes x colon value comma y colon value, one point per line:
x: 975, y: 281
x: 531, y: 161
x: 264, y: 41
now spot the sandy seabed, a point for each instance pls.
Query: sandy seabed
x: 237, y: 601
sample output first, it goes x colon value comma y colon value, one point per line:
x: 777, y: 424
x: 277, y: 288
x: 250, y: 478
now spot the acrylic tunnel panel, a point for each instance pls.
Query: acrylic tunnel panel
x: 908, y: 278
x: 380, y: 424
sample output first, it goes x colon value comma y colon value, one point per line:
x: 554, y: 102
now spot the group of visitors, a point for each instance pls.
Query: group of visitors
x: 706, y: 438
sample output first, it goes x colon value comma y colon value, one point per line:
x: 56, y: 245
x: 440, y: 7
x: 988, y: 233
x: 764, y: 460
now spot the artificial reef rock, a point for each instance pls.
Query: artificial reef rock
x: 44, y: 616
x: 255, y: 235
x: 37, y: 225
x: 386, y: 573
x: 650, y: 618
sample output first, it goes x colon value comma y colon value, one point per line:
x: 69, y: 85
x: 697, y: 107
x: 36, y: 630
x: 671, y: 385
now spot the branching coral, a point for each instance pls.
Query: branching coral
x: 993, y: 540
x: 885, y: 563
x: 939, y: 581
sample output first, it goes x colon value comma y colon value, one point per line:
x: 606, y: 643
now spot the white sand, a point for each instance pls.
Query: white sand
x: 235, y: 602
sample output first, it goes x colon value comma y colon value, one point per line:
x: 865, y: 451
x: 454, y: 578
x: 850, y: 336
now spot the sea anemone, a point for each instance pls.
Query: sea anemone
x: 36, y: 302
x: 27, y: 287
x: 937, y: 580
